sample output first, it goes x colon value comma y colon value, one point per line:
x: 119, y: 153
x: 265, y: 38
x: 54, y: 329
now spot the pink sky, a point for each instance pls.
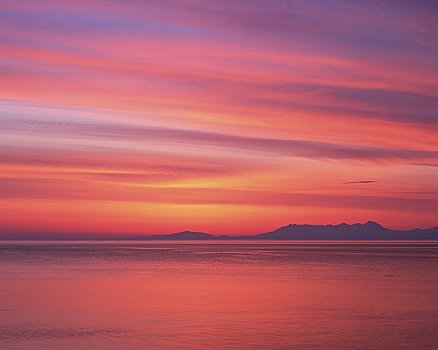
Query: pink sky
x: 217, y: 116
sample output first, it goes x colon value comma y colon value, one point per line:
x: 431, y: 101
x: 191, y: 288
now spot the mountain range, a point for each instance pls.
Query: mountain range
x: 368, y: 231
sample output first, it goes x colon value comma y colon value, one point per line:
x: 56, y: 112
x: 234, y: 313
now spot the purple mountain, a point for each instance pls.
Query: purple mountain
x: 368, y: 231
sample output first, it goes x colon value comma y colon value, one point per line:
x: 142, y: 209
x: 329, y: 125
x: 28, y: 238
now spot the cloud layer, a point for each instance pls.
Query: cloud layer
x: 207, y: 114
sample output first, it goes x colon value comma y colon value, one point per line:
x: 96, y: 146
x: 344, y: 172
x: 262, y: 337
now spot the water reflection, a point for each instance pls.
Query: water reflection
x: 198, y: 295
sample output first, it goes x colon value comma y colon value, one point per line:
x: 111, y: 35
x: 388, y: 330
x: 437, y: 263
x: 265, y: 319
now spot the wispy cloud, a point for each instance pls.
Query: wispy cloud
x: 361, y: 182
x: 173, y: 136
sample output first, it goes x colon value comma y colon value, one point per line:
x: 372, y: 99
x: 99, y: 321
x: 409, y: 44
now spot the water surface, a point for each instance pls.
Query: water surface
x: 218, y: 295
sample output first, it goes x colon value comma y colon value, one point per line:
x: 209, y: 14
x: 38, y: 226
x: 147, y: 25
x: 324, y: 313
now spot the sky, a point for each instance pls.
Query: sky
x: 223, y: 116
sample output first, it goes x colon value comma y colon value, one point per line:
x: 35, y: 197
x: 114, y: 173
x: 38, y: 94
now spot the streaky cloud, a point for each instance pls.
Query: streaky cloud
x: 174, y: 136
x: 361, y: 182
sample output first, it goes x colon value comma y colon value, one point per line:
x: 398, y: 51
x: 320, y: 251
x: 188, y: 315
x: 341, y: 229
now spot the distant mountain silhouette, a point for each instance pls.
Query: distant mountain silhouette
x: 186, y: 235
x: 368, y: 231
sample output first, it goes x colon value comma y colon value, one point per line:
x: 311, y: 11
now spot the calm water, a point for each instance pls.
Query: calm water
x: 240, y: 295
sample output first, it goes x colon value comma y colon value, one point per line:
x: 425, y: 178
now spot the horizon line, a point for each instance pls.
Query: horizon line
x: 44, y: 236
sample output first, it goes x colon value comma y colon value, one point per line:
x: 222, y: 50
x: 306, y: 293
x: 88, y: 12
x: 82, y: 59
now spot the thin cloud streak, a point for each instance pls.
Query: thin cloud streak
x: 361, y: 182
x: 297, y: 148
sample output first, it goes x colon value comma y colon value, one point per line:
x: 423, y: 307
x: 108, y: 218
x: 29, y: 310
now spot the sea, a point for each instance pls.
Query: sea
x: 218, y: 295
